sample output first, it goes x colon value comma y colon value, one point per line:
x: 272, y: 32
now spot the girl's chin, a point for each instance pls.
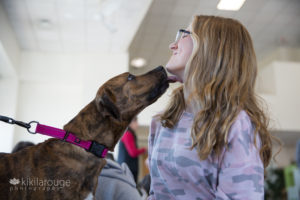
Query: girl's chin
x: 175, y: 73
x: 171, y: 68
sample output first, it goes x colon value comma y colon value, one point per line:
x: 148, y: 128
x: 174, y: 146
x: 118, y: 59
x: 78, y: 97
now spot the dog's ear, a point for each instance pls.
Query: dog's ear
x: 106, y: 101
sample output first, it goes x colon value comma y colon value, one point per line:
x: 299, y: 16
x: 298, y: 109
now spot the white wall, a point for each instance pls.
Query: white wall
x: 55, y: 87
x: 283, y: 98
x: 279, y: 84
x: 9, y: 59
x: 8, y: 98
x: 8, y: 102
x: 284, y: 157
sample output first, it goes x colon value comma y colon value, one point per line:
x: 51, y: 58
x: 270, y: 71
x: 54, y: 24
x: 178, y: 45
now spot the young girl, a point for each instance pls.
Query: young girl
x: 212, y: 141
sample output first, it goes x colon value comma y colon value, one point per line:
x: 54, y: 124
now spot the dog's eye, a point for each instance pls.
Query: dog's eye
x: 130, y: 77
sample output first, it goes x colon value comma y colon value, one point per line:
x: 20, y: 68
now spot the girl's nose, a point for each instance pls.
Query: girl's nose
x: 173, y: 46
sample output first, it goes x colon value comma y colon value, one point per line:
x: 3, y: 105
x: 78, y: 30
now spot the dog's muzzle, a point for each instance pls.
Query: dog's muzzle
x: 162, y: 86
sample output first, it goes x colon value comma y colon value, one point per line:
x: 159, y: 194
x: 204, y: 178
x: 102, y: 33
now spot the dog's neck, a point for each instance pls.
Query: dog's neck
x: 91, y: 124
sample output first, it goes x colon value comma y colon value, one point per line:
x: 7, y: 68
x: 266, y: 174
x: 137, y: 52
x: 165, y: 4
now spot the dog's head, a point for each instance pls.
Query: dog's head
x: 117, y: 102
x: 124, y: 96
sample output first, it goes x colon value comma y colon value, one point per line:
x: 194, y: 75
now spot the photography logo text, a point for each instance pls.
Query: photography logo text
x: 23, y: 184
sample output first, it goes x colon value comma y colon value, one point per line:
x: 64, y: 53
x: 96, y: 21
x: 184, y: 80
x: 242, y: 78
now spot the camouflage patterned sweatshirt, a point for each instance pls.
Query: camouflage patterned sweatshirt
x: 177, y: 173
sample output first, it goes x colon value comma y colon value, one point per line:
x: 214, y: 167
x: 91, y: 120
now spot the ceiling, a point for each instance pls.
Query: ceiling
x: 75, y: 25
x: 271, y: 23
x: 143, y: 27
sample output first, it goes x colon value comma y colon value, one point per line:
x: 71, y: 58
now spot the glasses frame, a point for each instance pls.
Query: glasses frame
x: 179, y: 34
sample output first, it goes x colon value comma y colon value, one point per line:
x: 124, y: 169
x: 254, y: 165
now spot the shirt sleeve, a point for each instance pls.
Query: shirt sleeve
x: 241, y: 174
x: 129, y: 142
x: 151, y: 137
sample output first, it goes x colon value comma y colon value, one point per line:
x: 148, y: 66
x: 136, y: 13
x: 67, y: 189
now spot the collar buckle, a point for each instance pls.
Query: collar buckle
x: 98, y: 150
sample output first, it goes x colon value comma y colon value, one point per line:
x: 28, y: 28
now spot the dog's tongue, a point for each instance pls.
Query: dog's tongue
x: 172, y: 79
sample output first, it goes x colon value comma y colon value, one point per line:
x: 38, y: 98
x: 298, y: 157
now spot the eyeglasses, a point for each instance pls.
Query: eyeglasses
x: 181, y: 33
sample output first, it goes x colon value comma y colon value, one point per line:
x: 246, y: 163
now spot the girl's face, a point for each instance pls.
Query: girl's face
x: 181, y: 51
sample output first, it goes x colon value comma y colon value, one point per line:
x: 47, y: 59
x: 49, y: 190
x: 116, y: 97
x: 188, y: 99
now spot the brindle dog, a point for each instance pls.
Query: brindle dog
x: 103, y: 120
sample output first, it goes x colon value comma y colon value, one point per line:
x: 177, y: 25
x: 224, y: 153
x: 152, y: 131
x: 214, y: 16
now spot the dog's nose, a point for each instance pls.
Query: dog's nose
x: 160, y: 68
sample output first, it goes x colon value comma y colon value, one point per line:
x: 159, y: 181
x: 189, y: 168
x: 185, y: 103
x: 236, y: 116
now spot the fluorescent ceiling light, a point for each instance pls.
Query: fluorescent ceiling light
x: 230, y: 4
x: 138, y: 62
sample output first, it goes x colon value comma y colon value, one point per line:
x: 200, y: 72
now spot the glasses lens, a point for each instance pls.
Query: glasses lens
x: 178, y: 36
x: 181, y: 33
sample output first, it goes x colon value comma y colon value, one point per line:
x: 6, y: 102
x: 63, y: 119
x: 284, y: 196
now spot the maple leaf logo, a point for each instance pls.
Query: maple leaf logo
x: 14, y: 181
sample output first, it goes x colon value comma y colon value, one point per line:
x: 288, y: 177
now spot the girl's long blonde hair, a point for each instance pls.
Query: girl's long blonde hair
x: 219, y: 82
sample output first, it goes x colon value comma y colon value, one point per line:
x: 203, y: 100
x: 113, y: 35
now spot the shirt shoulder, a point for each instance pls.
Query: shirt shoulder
x: 155, y: 124
x: 241, y: 128
x: 241, y: 143
x: 185, y: 121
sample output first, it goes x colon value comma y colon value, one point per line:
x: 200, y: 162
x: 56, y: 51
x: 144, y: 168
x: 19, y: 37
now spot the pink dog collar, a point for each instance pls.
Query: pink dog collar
x: 97, y: 149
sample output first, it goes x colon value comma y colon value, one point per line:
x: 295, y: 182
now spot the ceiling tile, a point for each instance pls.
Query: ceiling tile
x: 252, y: 6
x: 211, y: 4
x: 50, y: 46
x: 75, y: 22
x: 47, y: 35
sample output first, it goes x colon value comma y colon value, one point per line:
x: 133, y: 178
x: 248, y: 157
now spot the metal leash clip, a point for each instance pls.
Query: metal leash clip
x: 19, y: 123
x: 30, y: 125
